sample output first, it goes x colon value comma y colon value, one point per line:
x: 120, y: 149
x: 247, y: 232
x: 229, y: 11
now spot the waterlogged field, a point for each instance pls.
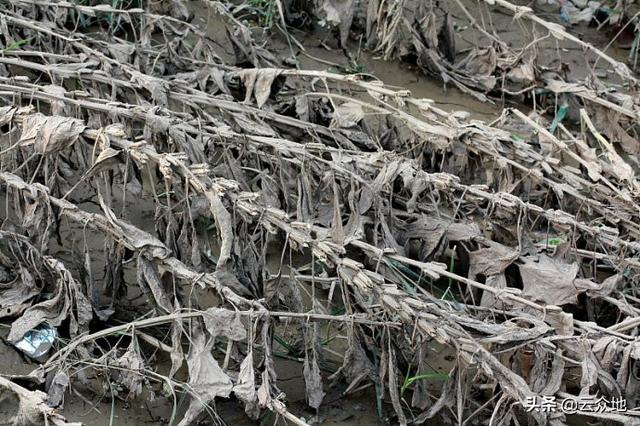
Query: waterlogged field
x: 319, y: 212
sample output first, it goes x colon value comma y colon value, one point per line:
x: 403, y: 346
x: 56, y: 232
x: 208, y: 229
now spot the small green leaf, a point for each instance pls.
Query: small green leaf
x: 408, y: 381
x: 554, y: 241
x: 560, y: 115
x: 15, y: 45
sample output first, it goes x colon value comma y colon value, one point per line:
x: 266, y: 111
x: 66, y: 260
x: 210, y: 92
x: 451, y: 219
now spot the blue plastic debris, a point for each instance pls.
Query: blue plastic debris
x: 560, y: 115
x: 37, y: 342
x: 574, y: 12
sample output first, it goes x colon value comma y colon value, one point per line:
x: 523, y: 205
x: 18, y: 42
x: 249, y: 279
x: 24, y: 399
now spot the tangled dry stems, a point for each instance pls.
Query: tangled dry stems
x: 379, y: 203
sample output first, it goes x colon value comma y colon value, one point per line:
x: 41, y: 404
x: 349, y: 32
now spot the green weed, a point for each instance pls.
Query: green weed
x: 410, y: 380
x: 265, y: 9
x: 15, y: 45
x: 353, y: 68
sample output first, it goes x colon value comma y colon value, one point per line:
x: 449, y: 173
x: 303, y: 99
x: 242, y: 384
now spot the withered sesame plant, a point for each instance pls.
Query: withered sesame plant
x: 186, y: 206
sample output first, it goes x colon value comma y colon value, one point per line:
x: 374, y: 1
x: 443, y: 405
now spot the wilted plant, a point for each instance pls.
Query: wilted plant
x: 283, y: 199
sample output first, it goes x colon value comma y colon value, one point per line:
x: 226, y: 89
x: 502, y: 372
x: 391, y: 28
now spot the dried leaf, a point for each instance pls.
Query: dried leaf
x: 492, y: 260
x: 394, y: 388
x: 245, y: 388
x: 258, y: 82
x: 549, y: 280
x: 590, y: 368
x: 206, y: 378
x: 59, y: 385
x: 50, y: 135
x: 346, y: 115
x: 150, y: 282
x: 223, y: 322
x: 337, y: 13
x: 481, y: 64
x: 68, y: 301
x: 32, y: 408
x: 131, y: 372
x: 311, y: 370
